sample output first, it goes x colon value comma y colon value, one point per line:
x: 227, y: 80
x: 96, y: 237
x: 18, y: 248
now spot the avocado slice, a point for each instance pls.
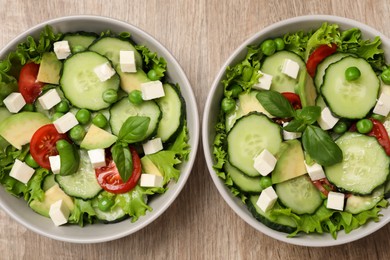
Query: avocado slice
x: 149, y: 167
x: 132, y: 81
x: 290, y: 162
x: 49, y: 69
x: 306, y: 90
x: 97, y: 138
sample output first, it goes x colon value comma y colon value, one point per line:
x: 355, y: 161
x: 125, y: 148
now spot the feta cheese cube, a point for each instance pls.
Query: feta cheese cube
x: 265, y: 82
x: 62, y: 49
x: 59, y: 213
x: 49, y: 99
x: 14, y: 102
x: 104, y: 71
x: 335, y: 200
x: 127, y: 61
x: 265, y: 162
x: 152, y: 146
x: 290, y: 135
x: 97, y: 158
x: 290, y: 68
x: 65, y: 123
x: 21, y: 171
x: 267, y: 199
x: 151, y: 90
x: 327, y: 120
x: 382, y: 106
x: 55, y: 164
x: 315, y: 171
x: 151, y: 180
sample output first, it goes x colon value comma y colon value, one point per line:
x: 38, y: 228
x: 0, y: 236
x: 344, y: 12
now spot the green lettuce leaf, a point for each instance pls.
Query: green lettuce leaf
x: 152, y: 61
x: 34, y: 185
x: 181, y: 146
x: 326, y: 34
x: 165, y: 161
x: 83, y: 212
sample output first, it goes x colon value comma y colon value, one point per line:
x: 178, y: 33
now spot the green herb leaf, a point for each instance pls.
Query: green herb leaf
x: 134, y: 129
x: 295, y: 125
x: 123, y: 160
x: 275, y: 103
x: 320, y: 146
x: 309, y: 114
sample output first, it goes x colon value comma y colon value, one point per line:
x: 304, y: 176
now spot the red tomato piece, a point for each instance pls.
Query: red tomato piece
x: 110, y: 180
x: 29, y: 87
x: 317, y: 56
x: 380, y: 132
x: 43, y: 144
x: 294, y: 99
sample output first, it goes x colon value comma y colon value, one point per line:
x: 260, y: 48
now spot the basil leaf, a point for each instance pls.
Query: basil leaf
x: 124, y: 162
x: 309, y: 114
x: 320, y: 146
x: 275, y: 103
x: 134, y: 129
x: 295, y: 125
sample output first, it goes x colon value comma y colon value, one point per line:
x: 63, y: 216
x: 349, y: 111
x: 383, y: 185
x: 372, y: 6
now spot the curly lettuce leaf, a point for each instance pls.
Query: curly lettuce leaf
x: 83, y: 212
x: 326, y: 34
x: 181, y: 146
x: 152, y: 61
x: 34, y: 185
x: 165, y: 161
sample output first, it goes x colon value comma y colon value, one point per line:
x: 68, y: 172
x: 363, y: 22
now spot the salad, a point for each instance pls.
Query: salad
x: 303, y: 131
x: 90, y: 126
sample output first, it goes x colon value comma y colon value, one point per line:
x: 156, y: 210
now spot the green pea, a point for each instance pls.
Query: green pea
x: 364, y: 126
x: 268, y: 47
x: 62, y: 107
x: 236, y: 90
x: 352, y: 73
x: 385, y: 76
x: 279, y: 43
x: 100, y: 120
x: 29, y: 108
x: 78, y: 48
x: 340, y: 127
x: 135, y: 97
x: 152, y: 75
x: 77, y: 133
x: 105, y: 203
x: 228, y: 104
x: 83, y: 116
x: 247, y: 73
x: 110, y: 96
x: 29, y: 160
x: 378, y: 117
x: 56, y: 115
x: 265, y: 182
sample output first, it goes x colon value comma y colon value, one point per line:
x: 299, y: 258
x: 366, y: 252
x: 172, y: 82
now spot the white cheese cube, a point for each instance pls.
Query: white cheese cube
x: 382, y: 106
x: 327, y: 120
x: 55, y: 164
x: 97, y: 157
x: 65, y: 123
x: 152, y: 146
x: 315, y: 171
x: 62, y: 49
x: 21, y: 171
x: 14, y: 102
x: 152, y: 89
x: 335, y: 200
x: 49, y: 99
x: 104, y: 71
x: 265, y: 162
x: 59, y: 213
x: 265, y: 82
x: 267, y: 199
x: 290, y: 68
x: 127, y: 61
x: 151, y: 180
x: 290, y: 135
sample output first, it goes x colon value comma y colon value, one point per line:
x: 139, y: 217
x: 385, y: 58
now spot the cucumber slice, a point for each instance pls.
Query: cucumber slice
x: 113, y: 215
x: 80, y: 84
x: 82, y: 184
x: 321, y: 67
x: 350, y: 99
x: 356, y: 204
x: 299, y: 194
x: 82, y: 39
x: 272, y: 65
x: 249, y: 137
x: 364, y: 167
x: 279, y: 223
x: 242, y: 181
x: 124, y: 109
x: 172, y: 108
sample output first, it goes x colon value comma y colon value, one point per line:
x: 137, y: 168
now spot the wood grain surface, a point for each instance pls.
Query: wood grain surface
x: 201, y: 35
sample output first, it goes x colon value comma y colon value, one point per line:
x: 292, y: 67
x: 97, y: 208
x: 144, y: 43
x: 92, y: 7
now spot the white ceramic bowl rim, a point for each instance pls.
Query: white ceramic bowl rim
x: 106, y: 232
x: 274, y: 30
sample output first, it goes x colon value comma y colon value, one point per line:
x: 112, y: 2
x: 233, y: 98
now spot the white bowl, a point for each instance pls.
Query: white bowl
x: 18, y: 209
x: 210, y: 118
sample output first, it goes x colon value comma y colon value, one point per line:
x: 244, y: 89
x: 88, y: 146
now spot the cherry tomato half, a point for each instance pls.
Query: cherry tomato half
x: 43, y: 144
x: 29, y: 87
x: 317, y: 56
x: 294, y: 100
x: 380, y: 132
x: 110, y: 180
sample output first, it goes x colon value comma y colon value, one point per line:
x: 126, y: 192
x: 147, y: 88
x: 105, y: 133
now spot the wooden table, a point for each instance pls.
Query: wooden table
x: 201, y: 34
